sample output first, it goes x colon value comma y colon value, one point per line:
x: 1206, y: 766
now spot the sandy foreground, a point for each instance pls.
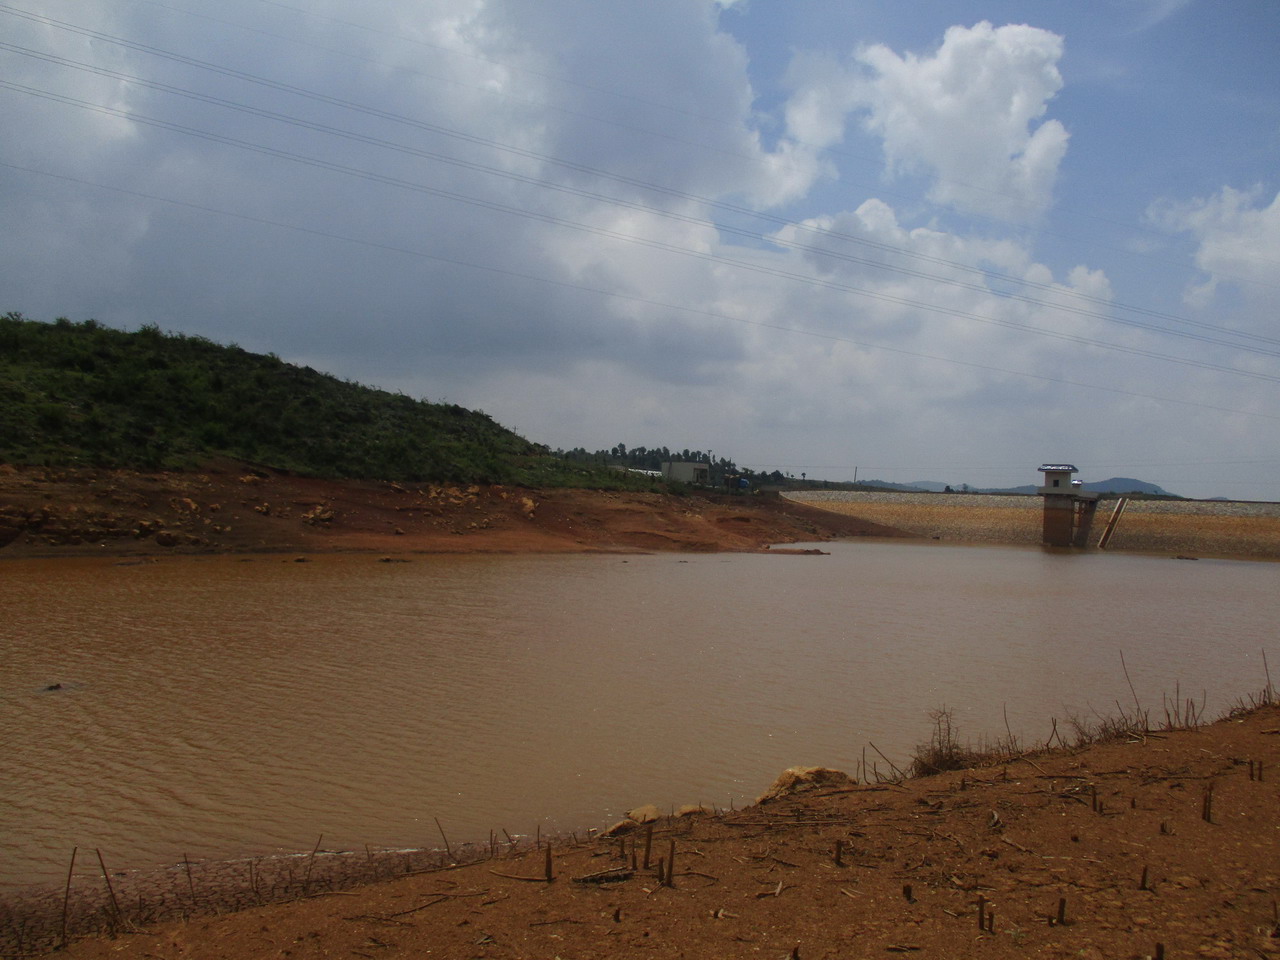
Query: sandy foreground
x: 1159, y: 844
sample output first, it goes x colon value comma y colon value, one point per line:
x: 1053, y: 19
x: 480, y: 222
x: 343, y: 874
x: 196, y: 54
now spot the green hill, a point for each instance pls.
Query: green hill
x: 87, y: 395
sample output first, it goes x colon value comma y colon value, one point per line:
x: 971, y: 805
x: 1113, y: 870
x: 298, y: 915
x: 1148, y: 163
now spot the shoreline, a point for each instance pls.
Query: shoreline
x: 1116, y: 828
x: 233, y: 508
x: 237, y: 509
x: 1186, y: 529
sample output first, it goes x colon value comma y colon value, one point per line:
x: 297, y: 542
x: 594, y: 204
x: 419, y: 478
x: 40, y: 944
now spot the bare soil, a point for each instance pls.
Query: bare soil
x: 1160, y: 844
x: 234, y: 508
x: 1163, y: 844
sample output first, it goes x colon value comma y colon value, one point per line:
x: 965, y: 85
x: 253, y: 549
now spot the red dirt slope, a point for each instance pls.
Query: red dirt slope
x: 231, y: 508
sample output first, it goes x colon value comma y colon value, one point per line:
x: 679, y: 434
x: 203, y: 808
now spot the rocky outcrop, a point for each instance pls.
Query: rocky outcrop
x: 795, y: 780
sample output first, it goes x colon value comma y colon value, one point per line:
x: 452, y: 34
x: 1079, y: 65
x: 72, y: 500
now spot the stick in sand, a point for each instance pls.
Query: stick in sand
x: 66, y: 896
x: 306, y: 880
x: 444, y: 838
x: 892, y: 766
x: 1137, y: 706
x: 110, y: 889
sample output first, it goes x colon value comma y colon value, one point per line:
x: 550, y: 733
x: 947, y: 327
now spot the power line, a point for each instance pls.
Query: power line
x: 677, y: 194
x: 613, y: 294
x: 628, y: 238
x: 671, y: 215
x: 734, y: 123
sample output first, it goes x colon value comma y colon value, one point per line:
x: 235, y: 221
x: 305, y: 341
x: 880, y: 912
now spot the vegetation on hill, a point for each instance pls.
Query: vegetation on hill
x: 82, y: 394
x: 719, y: 468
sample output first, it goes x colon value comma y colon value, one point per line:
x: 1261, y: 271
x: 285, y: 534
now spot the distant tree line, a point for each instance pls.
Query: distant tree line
x: 652, y: 458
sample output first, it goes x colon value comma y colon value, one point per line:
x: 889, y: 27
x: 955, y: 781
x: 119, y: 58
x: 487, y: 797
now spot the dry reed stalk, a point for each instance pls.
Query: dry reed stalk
x: 447, y: 848
x: 66, y: 896
x: 900, y: 775
x: 1136, y: 705
x: 115, y: 904
x: 306, y: 880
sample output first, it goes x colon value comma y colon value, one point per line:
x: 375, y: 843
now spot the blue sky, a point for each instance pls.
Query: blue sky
x: 932, y: 240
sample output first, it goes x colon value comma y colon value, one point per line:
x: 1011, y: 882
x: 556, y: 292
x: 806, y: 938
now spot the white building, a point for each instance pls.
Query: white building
x: 682, y: 471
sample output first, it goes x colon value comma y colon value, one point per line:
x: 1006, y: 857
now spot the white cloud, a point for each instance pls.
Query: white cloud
x: 967, y: 115
x: 1152, y: 12
x: 804, y: 353
x: 1238, y: 236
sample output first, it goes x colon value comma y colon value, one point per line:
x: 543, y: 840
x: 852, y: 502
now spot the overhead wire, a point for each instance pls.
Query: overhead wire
x: 694, y: 253
x: 651, y: 133
x: 635, y: 298
x: 983, y: 273
x: 672, y: 108
x: 622, y: 202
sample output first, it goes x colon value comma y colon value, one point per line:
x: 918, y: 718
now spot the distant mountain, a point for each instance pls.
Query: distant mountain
x: 933, y: 486
x: 904, y: 487
x: 1128, y: 485
x: 1114, y: 485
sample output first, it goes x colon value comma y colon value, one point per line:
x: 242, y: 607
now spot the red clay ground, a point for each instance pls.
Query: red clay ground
x: 1080, y: 829
x: 1115, y: 836
x: 231, y: 508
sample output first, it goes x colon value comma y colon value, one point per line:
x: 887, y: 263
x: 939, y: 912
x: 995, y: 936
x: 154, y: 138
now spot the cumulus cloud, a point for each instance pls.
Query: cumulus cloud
x: 970, y: 115
x: 1238, y: 237
x: 580, y: 307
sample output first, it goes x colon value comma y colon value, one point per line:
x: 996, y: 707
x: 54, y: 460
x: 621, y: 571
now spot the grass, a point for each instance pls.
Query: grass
x: 945, y: 750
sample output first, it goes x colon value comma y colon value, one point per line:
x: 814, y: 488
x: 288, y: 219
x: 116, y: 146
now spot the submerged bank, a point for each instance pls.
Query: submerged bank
x: 1162, y: 842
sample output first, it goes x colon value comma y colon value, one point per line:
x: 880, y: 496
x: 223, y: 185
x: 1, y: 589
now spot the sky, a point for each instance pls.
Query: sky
x: 930, y: 241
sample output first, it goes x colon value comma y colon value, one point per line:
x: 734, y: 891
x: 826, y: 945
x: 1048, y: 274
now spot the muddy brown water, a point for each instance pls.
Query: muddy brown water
x: 229, y: 707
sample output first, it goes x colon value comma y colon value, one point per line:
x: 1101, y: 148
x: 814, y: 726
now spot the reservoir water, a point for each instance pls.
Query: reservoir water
x: 224, y: 707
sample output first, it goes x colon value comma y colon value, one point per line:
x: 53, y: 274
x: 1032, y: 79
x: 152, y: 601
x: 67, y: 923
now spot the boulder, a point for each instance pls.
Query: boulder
x: 646, y: 814
x: 621, y: 828
x: 795, y: 780
x: 694, y: 810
